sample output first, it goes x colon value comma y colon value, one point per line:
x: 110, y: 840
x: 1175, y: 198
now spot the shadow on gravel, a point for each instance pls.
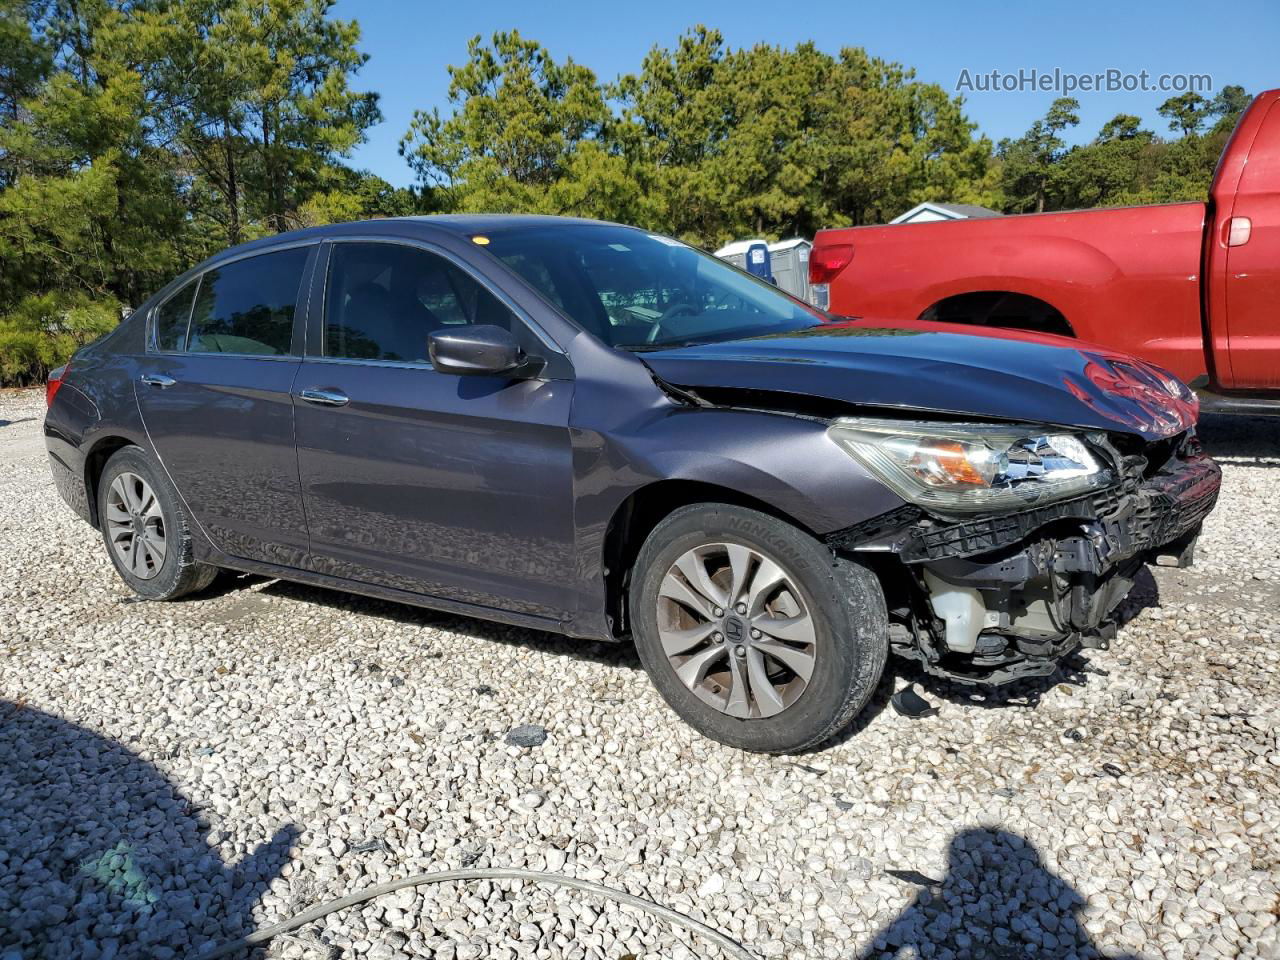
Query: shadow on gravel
x: 102, y: 857
x: 7, y: 423
x: 229, y: 581
x: 1073, y: 670
x: 610, y: 654
x: 1251, y: 441
x: 878, y: 703
x: 998, y: 900
x: 1145, y: 593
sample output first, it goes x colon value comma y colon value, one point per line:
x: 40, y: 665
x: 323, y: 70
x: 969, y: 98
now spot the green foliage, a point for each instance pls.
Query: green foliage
x: 1030, y: 161
x: 1186, y: 112
x: 1227, y: 106
x: 527, y: 134
x: 711, y: 143
x: 1229, y: 102
x: 259, y: 103
x: 892, y: 142
x: 347, y: 195
x: 1123, y: 126
x: 24, y: 59
x: 42, y: 331
x: 1125, y: 164
x: 137, y: 138
x: 704, y: 142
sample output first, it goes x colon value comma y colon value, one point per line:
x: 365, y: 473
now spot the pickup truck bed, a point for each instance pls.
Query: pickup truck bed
x: 1194, y: 287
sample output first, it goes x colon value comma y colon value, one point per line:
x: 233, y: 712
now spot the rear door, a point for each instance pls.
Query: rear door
x: 451, y: 486
x: 1252, y: 236
x: 215, y: 395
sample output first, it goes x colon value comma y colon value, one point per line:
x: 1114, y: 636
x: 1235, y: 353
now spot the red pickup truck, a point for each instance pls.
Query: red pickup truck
x: 1194, y: 287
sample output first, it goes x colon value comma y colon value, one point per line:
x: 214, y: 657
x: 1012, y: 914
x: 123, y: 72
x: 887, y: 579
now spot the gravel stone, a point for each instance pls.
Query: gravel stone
x: 176, y: 775
x: 527, y: 735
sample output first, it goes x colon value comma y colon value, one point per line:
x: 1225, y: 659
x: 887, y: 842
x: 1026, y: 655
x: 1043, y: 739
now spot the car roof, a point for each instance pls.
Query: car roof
x: 467, y: 223
x: 458, y: 224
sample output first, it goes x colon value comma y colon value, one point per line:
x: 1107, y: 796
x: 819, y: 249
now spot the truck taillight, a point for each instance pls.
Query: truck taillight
x: 825, y: 262
x: 55, y: 381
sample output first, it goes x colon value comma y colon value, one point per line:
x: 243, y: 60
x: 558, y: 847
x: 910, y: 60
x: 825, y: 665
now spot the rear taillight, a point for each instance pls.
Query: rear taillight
x: 826, y: 262
x: 55, y: 381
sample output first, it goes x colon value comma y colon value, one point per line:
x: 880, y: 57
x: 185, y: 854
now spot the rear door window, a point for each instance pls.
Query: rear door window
x: 247, y: 307
x: 169, y: 322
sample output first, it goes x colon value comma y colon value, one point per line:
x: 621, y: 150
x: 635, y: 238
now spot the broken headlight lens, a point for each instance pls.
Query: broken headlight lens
x: 955, y: 467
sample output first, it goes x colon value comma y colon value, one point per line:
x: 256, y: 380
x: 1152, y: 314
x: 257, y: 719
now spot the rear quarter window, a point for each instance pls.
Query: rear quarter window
x: 247, y: 307
x: 171, y: 317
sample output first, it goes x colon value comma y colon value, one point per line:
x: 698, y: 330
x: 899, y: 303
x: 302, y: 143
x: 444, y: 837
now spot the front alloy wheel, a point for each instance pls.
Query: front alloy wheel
x: 736, y: 630
x: 753, y: 631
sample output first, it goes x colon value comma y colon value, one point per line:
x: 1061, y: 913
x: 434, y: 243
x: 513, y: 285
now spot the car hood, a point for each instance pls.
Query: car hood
x: 944, y: 369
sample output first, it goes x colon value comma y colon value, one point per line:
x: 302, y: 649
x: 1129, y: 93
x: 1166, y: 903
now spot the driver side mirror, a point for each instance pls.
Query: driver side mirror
x: 480, y: 349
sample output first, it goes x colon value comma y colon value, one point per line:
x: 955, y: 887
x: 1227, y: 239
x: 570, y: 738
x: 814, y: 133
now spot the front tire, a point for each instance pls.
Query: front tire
x: 753, y: 631
x: 146, y: 529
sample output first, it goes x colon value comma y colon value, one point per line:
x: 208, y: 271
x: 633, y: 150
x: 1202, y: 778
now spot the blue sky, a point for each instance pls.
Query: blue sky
x: 411, y: 43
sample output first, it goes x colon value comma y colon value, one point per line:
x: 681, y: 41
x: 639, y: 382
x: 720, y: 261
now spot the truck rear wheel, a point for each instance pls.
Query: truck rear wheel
x: 996, y: 308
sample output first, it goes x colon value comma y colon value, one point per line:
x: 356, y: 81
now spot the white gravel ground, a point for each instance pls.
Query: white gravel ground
x: 173, y: 775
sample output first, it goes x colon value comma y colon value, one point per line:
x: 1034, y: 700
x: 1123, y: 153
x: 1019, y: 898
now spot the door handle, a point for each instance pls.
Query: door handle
x: 326, y: 398
x: 157, y: 380
x: 1236, y: 231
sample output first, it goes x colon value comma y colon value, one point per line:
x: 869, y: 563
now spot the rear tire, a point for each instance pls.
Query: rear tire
x: 147, y: 530
x: 804, y: 633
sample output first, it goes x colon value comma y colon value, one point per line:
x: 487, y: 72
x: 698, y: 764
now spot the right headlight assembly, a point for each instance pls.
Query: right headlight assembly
x: 968, y: 468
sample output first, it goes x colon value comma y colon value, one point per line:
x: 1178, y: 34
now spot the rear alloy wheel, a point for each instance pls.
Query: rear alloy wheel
x: 146, y: 529
x: 135, y: 525
x: 753, y: 631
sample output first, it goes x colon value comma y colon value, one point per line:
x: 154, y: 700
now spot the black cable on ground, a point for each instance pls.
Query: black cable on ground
x: 730, y: 946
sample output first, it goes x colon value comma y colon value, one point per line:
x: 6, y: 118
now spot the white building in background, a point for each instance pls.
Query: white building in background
x: 925, y: 212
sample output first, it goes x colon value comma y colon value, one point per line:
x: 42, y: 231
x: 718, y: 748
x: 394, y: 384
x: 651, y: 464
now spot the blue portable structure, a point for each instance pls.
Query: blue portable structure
x: 758, y: 261
x: 788, y: 262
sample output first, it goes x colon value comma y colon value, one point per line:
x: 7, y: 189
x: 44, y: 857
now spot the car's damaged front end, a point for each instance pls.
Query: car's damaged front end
x: 993, y: 595
x: 1034, y: 476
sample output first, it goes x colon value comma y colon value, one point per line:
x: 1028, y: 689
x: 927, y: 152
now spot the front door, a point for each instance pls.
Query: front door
x: 215, y: 397
x: 1253, y: 264
x: 451, y: 486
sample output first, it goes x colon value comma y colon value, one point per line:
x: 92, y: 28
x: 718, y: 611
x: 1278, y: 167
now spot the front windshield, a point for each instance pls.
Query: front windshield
x: 643, y: 291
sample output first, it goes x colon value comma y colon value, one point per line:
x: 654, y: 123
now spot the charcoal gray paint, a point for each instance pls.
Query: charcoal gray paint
x: 934, y: 368
x: 489, y: 495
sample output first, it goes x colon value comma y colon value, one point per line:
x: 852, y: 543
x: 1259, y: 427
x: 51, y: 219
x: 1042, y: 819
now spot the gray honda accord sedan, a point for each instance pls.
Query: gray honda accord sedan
x: 596, y: 430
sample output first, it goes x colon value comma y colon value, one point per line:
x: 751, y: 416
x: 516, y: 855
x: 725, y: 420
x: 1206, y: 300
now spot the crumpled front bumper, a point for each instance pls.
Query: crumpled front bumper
x: 1129, y: 517
x: 995, y: 598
